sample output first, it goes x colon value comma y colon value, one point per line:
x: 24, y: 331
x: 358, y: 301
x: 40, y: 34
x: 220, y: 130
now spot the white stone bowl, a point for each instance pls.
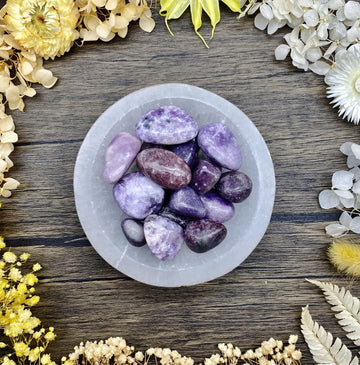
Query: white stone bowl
x: 101, y: 217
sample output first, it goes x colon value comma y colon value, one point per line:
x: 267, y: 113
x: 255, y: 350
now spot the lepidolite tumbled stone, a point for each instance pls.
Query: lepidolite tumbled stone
x: 163, y: 236
x: 138, y: 196
x: 119, y: 155
x: 219, y: 143
x: 187, y: 151
x: 202, y: 235
x: 166, y: 125
x: 234, y: 186
x: 134, y: 232
x: 205, y: 176
x: 217, y: 209
x: 164, y: 167
x: 180, y: 219
x: 186, y: 202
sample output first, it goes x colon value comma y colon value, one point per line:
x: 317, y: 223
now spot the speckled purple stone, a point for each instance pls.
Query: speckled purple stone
x: 234, y: 186
x: 219, y: 143
x: 186, y: 202
x: 138, y: 196
x: 163, y: 236
x: 187, y: 151
x: 217, y: 208
x: 177, y: 218
x: 205, y: 176
x: 166, y: 125
x: 119, y: 155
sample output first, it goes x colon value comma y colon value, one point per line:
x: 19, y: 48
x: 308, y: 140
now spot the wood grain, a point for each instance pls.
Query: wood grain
x: 81, y: 295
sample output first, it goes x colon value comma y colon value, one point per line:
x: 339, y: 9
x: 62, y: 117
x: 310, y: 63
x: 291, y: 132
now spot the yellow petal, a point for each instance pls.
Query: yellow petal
x: 121, y: 22
x: 211, y: 8
x: 88, y: 35
x: 173, y: 9
x: 4, y: 83
x: 146, y: 23
x: 103, y: 30
x: 8, y: 137
x: 99, y: 3
x: 122, y: 32
x: 26, y: 68
x: 6, y: 124
x: 3, y: 165
x: 10, y: 183
x: 111, y: 4
x: 45, y: 77
x: 196, y: 13
x: 234, y: 5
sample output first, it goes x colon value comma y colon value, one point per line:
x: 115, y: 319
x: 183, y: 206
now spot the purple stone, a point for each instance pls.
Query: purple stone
x: 177, y: 218
x: 138, y: 196
x: 234, y: 186
x: 166, y: 125
x: 202, y: 235
x: 205, y: 176
x: 163, y: 236
x: 134, y: 232
x: 219, y: 143
x: 186, y: 202
x: 217, y: 208
x: 187, y: 151
x: 164, y: 167
x: 119, y: 155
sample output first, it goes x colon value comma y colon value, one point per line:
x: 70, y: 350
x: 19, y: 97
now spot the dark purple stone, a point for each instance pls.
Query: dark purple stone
x: 219, y: 143
x: 234, y: 186
x: 187, y: 151
x: 166, y: 125
x: 138, y: 196
x: 177, y: 218
x: 164, y: 167
x: 163, y: 236
x: 134, y: 232
x: 202, y: 235
x: 217, y: 209
x: 186, y: 202
x: 205, y: 176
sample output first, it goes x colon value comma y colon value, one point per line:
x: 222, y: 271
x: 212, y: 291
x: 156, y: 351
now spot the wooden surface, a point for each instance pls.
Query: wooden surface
x: 81, y: 295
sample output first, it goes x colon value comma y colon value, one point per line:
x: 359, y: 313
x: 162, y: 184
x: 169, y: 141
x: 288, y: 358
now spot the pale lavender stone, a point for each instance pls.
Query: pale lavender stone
x: 217, y: 208
x: 138, y: 196
x: 219, y: 143
x: 166, y: 125
x: 187, y: 151
x: 186, y: 202
x: 119, y: 155
x: 205, y: 176
x: 163, y: 236
x: 134, y: 232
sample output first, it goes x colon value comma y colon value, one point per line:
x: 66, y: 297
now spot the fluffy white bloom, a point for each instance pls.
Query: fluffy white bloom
x: 344, y: 85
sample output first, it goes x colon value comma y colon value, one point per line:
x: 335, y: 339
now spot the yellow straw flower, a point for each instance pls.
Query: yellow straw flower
x: 345, y: 256
x: 46, y: 27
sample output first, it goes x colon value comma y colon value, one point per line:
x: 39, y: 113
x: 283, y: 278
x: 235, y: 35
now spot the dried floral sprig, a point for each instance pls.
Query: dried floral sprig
x: 345, y: 256
x: 116, y: 351
x: 27, y: 340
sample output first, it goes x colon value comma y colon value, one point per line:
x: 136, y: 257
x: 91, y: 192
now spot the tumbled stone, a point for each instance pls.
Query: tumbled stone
x: 187, y: 151
x: 166, y: 125
x: 134, y: 232
x: 163, y: 236
x: 217, y: 209
x: 234, y: 186
x: 201, y: 235
x: 119, y: 155
x: 205, y: 176
x: 138, y: 196
x: 219, y: 143
x: 186, y: 202
x: 177, y: 218
x: 164, y: 167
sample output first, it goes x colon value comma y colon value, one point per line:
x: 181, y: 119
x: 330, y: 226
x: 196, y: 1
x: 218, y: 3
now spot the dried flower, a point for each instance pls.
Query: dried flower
x: 345, y: 256
x: 46, y: 27
x: 344, y: 85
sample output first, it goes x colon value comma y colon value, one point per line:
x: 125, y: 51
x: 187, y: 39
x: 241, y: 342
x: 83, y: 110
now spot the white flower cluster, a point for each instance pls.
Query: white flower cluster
x: 322, y: 30
x: 345, y: 194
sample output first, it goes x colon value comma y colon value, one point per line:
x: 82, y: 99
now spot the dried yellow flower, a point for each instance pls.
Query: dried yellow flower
x: 46, y: 27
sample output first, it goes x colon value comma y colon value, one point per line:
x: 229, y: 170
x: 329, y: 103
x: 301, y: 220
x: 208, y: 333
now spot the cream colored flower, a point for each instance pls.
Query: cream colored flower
x: 46, y: 27
x: 344, y: 85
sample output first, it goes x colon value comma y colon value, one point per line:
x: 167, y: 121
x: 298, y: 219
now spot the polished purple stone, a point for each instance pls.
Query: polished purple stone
x: 219, y: 143
x: 166, y: 125
x: 217, y: 208
x: 164, y: 167
x: 187, y: 151
x: 202, y: 235
x: 138, y: 196
x: 119, y: 155
x: 186, y: 202
x: 177, y: 218
x: 134, y: 232
x: 163, y: 236
x: 234, y: 186
x: 205, y: 176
